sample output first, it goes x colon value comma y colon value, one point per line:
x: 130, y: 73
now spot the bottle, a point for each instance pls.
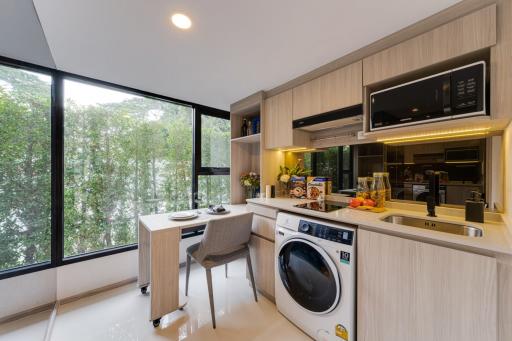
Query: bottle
x: 362, y: 188
x: 249, y: 128
x: 378, y: 190
x: 244, y: 127
x: 387, y: 184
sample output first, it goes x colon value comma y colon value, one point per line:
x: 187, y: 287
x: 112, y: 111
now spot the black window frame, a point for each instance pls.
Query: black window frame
x: 197, y: 165
x: 57, y: 160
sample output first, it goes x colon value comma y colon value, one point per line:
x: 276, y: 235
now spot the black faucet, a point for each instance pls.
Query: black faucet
x: 433, y: 197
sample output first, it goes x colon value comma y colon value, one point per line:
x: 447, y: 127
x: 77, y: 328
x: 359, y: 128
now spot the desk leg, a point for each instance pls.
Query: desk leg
x: 144, y: 258
x: 164, y: 267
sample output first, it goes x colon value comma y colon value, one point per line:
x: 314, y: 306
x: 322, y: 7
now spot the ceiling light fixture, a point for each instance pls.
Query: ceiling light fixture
x: 181, y: 21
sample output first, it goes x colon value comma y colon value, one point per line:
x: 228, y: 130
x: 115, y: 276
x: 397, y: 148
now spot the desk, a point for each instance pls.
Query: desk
x: 159, y: 242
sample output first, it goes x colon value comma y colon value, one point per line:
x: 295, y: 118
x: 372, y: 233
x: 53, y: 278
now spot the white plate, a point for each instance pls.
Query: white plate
x: 217, y: 213
x: 183, y: 215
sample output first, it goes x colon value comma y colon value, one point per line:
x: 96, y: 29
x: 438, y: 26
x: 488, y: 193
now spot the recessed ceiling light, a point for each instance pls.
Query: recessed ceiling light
x: 181, y: 21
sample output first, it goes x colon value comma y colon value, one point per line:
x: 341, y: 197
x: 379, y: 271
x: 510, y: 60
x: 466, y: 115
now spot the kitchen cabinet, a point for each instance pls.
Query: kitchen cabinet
x: 264, y: 227
x: 473, y: 32
x: 278, y: 131
x: 336, y: 90
x: 410, y: 290
x: 262, y: 255
x: 262, y: 247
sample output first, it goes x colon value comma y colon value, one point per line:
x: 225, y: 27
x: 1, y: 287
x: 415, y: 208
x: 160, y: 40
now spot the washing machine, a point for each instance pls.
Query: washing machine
x: 315, y: 276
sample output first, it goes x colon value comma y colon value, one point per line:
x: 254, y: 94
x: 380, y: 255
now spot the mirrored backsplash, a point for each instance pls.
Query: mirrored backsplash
x: 461, y: 165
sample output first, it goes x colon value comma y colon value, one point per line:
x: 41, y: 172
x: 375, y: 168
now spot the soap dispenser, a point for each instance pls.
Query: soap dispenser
x: 475, y: 208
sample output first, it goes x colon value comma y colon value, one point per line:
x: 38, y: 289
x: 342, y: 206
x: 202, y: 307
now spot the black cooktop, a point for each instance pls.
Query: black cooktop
x: 323, y: 206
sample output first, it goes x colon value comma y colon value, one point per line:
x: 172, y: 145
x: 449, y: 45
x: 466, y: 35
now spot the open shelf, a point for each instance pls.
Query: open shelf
x: 254, y: 138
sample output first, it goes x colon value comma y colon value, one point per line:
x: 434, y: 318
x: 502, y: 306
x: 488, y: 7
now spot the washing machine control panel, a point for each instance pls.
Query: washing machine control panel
x: 326, y: 232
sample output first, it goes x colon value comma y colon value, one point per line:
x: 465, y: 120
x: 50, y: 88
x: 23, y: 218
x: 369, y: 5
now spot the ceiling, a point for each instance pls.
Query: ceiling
x: 233, y: 49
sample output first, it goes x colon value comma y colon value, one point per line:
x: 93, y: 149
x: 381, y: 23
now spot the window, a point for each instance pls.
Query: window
x: 81, y: 159
x: 215, y: 142
x: 25, y: 162
x: 336, y: 163
x: 124, y: 156
x: 212, y: 149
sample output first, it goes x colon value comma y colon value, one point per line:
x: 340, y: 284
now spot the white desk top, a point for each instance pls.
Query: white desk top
x: 156, y: 222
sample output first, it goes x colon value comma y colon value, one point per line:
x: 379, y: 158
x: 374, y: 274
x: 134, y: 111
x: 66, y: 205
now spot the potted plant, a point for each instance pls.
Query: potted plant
x: 251, y: 182
x: 285, y: 175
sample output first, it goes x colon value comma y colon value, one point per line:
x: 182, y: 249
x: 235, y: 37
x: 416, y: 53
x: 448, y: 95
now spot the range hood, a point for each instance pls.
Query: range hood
x: 332, y: 119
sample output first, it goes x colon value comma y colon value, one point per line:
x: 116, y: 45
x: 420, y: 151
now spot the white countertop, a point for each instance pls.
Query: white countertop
x: 156, y: 222
x: 495, y: 239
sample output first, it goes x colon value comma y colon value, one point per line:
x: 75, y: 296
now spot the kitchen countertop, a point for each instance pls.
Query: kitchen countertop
x: 495, y: 239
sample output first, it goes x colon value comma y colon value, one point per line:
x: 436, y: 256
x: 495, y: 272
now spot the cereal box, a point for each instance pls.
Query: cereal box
x: 318, y: 187
x: 298, y: 187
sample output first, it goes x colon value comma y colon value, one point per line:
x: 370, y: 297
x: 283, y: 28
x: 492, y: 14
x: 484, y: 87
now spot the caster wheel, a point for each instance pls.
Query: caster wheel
x: 156, y: 323
x: 144, y: 290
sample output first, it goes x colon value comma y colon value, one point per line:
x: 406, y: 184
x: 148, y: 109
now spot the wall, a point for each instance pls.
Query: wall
x: 25, y: 292
x: 22, y: 293
x: 77, y: 278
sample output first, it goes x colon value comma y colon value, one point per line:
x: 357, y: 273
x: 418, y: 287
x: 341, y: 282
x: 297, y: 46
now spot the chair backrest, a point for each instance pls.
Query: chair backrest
x: 225, y: 235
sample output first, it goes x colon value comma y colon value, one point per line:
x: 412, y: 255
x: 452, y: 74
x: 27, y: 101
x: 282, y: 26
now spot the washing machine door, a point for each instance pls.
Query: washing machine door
x: 309, y: 275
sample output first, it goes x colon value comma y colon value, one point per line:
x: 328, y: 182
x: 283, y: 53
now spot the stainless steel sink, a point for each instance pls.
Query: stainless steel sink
x: 454, y: 228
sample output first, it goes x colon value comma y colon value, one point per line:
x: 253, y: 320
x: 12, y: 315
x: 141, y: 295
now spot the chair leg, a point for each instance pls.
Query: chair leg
x: 210, y: 293
x: 226, y: 267
x: 249, y: 265
x: 188, y: 274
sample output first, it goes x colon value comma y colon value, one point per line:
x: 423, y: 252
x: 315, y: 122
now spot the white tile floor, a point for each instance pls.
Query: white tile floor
x: 29, y: 328
x: 122, y: 314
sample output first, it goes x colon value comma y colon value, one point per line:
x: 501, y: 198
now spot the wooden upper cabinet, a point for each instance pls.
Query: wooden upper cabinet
x: 307, y: 99
x: 278, y: 130
x: 410, y: 290
x: 342, y: 88
x: 470, y: 33
x: 338, y: 89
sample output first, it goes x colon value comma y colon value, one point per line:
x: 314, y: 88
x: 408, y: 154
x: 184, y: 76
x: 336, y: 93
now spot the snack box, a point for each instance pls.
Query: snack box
x: 318, y: 186
x: 298, y: 187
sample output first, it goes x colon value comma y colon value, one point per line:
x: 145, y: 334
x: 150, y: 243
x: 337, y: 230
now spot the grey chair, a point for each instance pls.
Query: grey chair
x: 224, y: 241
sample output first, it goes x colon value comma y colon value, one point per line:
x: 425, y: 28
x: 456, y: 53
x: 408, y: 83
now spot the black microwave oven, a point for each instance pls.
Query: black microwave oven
x: 452, y: 94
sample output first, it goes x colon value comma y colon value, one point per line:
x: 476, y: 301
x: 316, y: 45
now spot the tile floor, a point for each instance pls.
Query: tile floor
x: 29, y: 328
x: 122, y: 314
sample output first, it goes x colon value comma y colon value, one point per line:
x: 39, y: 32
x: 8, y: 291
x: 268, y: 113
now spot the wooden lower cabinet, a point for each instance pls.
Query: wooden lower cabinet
x: 409, y: 290
x: 262, y: 256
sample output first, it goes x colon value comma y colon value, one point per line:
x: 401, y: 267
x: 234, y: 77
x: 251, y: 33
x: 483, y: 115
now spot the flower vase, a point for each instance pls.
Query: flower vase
x: 284, y: 189
x: 250, y: 192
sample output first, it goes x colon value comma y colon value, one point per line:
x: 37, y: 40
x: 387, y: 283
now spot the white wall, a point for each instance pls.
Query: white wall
x: 77, y: 278
x: 27, y: 291
x: 21, y: 293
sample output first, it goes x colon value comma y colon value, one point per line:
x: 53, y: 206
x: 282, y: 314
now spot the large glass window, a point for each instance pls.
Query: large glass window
x: 212, y: 150
x: 25, y: 162
x: 215, y: 141
x: 81, y: 160
x: 125, y: 156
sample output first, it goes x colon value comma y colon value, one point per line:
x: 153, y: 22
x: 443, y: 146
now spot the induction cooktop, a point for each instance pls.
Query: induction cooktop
x: 323, y: 206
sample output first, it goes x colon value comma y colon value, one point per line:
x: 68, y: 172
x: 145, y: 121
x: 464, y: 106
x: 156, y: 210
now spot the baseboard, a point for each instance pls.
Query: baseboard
x: 28, y: 312
x: 97, y: 290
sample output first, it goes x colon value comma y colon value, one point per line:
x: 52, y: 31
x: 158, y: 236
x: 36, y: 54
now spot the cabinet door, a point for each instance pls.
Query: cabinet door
x: 338, y: 89
x: 264, y: 227
x: 342, y: 88
x: 470, y: 33
x: 307, y: 99
x: 278, y: 120
x: 409, y: 290
x: 262, y: 256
